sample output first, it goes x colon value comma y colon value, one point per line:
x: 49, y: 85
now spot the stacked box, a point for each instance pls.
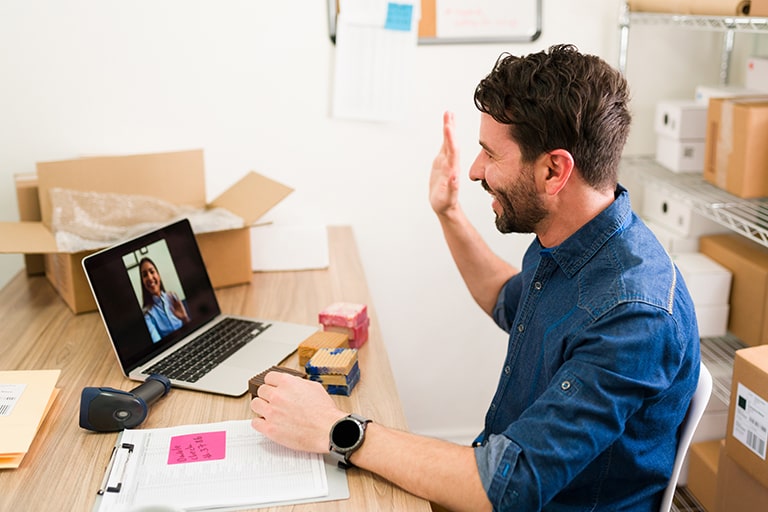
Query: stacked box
x: 709, y: 284
x: 257, y: 380
x: 681, y: 135
x: 674, y: 222
x: 757, y: 72
x: 702, y: 471
x: 347, y: 318
x: 336, y: 369
x: 748, y: 262
x: 746, y: 440
x: 736, y: 156
x: 320, y: 339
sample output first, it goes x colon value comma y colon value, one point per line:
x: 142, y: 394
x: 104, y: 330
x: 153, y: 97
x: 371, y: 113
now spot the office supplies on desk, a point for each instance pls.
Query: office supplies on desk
x: 223, y: 466
x: 25, y: 399
x: 170, y: 259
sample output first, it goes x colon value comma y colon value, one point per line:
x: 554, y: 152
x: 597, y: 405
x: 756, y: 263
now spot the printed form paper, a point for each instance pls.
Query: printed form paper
x: 375, y: 46
x: 206, y: 466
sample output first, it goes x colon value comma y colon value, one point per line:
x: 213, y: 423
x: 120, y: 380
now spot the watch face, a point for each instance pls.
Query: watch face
x: 346, y: 434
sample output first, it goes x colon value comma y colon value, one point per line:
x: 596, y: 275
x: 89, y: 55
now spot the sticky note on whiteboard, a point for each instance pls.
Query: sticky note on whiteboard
x: 201, y: 447
x: 399, y: 17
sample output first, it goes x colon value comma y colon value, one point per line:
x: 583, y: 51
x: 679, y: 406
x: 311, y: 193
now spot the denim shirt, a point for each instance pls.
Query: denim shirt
x: 160, y: 318
x: 602, y: 360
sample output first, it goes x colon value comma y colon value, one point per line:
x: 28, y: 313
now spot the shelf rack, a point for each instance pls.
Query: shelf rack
x: 748, y: 217
x: 729, y: 25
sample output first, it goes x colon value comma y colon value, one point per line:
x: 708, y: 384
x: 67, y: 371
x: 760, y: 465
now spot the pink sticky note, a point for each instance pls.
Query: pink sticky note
x: 197, y: 447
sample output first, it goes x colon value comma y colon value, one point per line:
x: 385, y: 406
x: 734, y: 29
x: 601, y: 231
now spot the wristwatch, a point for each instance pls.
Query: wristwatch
x: 347, y: 435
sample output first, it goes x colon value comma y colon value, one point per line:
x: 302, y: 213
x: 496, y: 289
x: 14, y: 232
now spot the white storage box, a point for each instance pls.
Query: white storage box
x: 681, y: 119
x: 705, y: 92
x: 712, y: 320
x: 673, y: 214
x: 673, y: 242
x: 757, y: 73
x: 680, y: 155
x: 709, y: 283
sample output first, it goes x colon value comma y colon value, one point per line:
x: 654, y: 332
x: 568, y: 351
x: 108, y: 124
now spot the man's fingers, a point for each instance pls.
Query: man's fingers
x: 449, y: 144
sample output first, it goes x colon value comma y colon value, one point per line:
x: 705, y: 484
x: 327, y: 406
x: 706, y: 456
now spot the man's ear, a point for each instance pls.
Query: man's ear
x: 559, y: 168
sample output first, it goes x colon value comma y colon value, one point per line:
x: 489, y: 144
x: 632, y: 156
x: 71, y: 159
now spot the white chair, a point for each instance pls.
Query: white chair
x: 692, y: 417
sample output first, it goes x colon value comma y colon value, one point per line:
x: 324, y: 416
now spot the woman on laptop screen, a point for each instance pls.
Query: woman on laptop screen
x: 164, y: 312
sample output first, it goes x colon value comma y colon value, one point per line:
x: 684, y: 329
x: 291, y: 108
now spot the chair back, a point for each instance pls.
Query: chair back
x: 693, y: 416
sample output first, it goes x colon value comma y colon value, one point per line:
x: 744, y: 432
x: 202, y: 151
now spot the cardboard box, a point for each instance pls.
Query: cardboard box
x: 175, y: 177
x: 747, y: 434
x: 736, y: 490
x: 681, y: 119
x: 680, y: 155
x: 711, y: 427
x: 757, y: 72
x: 736, y: 155
x: 29, y: 211
x: 703, y: 459
x: 758, y: 8
x: 660, y: 205
x: 748, y: 263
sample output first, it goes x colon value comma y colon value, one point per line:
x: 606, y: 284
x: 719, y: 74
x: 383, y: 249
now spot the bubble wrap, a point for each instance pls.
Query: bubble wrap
x: 91, y: 220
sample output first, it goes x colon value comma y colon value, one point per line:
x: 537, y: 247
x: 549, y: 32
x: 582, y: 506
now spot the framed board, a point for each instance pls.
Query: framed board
x: 469, y: 21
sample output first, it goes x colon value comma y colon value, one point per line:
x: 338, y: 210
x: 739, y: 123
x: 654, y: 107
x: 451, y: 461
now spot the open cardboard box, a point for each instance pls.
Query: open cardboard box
x: 176, y: 177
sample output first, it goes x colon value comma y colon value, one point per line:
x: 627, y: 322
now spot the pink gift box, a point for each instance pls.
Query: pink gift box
x: 357, y: 335
x: 344, y: 314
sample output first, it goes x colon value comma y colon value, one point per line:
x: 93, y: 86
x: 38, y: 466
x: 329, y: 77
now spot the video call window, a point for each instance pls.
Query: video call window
x: 158, y: 290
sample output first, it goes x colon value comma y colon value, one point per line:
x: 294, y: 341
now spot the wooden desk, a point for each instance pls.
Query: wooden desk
x: 65, y: 464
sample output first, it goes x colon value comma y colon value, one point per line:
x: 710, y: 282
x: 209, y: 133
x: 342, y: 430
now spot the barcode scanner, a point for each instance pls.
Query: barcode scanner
x: 112, y: 410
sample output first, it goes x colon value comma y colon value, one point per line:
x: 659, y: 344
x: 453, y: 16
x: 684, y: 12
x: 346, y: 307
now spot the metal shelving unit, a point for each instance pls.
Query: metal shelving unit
x: 728, y: 25
x: 748, y: 217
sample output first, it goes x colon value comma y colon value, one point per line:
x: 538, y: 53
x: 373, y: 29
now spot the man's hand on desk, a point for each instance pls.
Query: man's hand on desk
x: 295, y: 412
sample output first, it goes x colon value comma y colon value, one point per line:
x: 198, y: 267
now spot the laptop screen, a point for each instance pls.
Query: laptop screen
x: 151, y: 291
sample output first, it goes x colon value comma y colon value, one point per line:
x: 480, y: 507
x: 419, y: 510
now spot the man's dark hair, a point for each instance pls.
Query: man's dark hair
x: 561, y: 99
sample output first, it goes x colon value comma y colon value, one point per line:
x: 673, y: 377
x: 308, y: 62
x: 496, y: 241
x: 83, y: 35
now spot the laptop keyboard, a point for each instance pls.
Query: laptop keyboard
x: 201, y: 355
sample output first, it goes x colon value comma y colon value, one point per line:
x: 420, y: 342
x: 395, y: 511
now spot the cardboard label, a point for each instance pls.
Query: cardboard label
x: 750, y: 420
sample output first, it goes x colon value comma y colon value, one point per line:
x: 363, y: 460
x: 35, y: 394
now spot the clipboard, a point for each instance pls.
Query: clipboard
x: 469, y: 21
x: 133, y: 452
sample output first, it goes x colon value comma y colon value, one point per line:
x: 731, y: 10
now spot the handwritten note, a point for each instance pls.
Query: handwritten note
x: 197, y: 447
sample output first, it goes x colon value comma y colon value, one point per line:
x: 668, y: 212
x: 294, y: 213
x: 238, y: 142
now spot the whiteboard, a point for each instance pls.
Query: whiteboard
x: 470, y: 21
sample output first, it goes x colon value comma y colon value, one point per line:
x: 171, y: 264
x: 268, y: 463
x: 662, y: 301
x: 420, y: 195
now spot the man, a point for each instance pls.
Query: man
x: 603, y: 352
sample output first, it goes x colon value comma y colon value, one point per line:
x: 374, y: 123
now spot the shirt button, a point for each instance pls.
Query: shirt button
x: 520, y: 327
x: 565, y: 385
x: 507, y: 370
x: 537, y: 285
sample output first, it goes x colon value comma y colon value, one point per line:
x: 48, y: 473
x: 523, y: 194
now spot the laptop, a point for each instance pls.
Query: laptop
x: 160, y: 310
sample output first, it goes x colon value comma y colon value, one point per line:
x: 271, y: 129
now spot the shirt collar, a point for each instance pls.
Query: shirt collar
x: 579, y: 248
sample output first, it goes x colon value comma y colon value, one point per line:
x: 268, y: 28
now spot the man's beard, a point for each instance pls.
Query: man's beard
x: 521, y: 208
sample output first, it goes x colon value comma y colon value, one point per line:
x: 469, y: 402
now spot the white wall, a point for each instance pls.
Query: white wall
x: 250, y: 82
